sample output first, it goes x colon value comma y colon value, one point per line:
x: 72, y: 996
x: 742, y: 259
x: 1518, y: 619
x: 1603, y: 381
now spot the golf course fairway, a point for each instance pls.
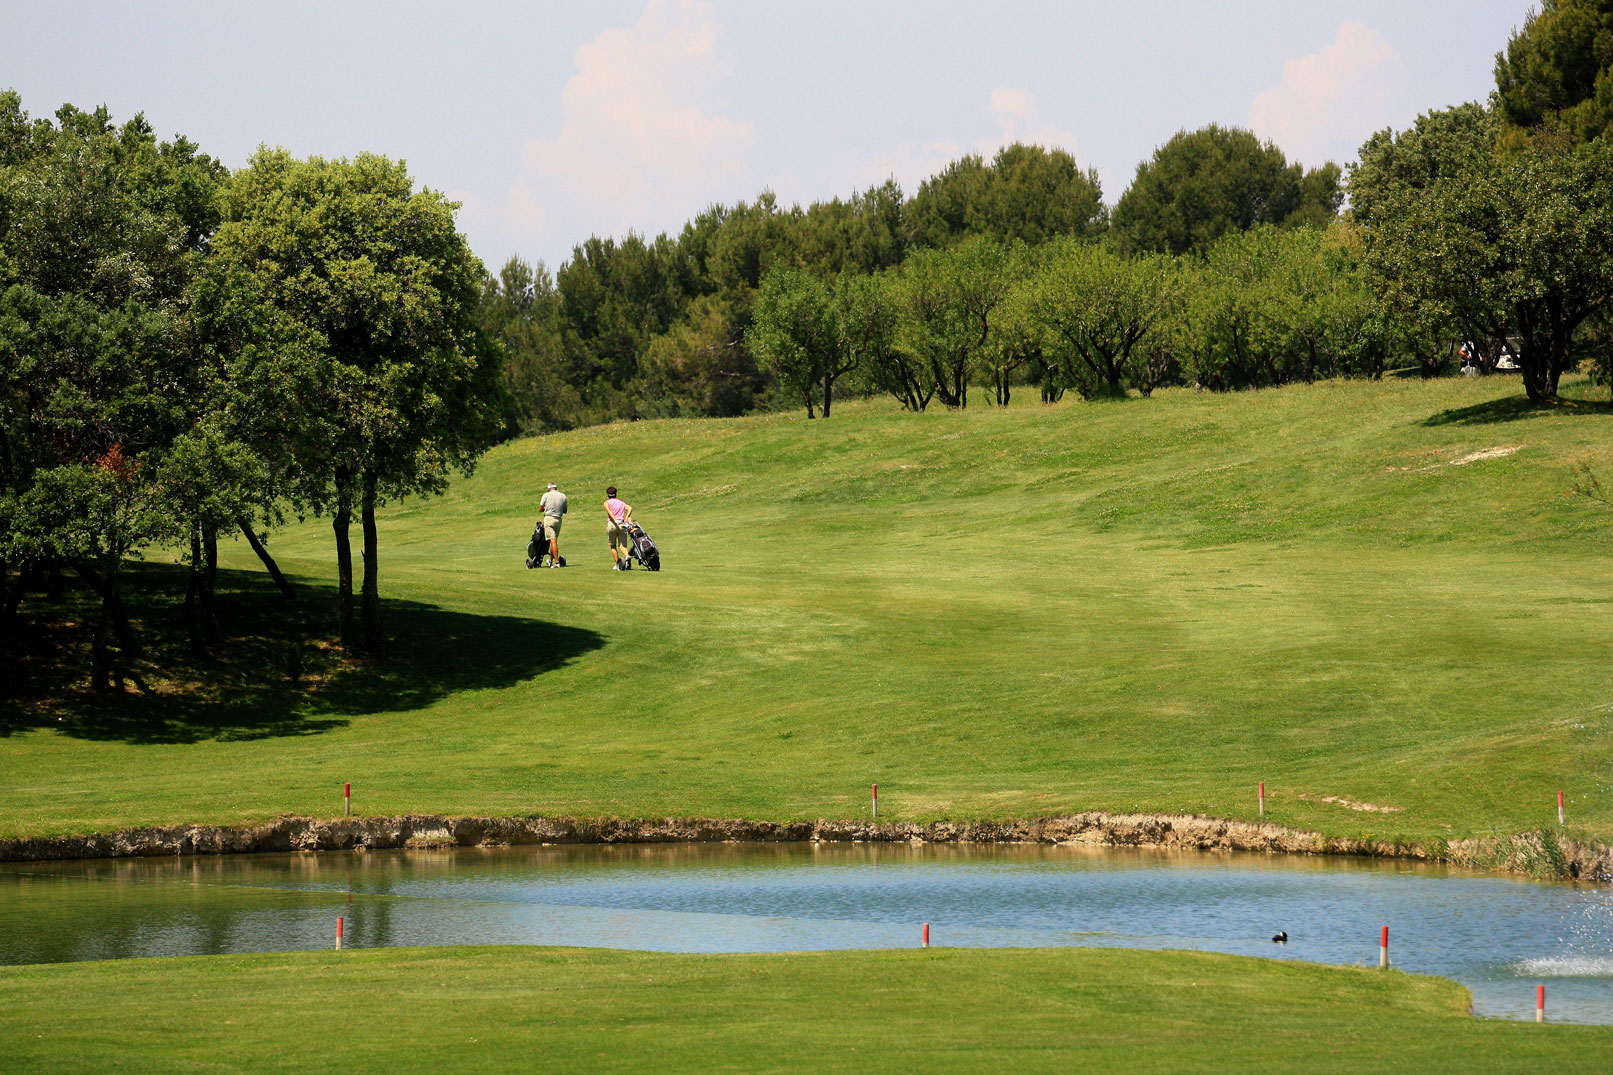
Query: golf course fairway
x: 523, y: 1009
x: 1382, y: 599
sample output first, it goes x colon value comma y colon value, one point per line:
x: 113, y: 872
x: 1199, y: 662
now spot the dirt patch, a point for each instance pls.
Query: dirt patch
x: 1351, y: 804
x: 1462, y: 461
x: 1487, y: 453
x: 1538, y: 854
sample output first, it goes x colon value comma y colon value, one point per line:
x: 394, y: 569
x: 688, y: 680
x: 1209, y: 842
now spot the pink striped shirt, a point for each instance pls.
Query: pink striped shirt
x: 616, y: 508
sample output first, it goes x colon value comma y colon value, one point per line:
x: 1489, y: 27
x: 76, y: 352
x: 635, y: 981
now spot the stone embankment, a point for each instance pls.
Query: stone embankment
x: 1537, y: 854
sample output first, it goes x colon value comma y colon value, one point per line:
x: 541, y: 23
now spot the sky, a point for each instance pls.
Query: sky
x: 551, y: 122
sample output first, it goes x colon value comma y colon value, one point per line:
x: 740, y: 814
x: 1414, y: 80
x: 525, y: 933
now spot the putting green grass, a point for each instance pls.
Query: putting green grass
x: 527, y: 1009
x: 1364, y: 594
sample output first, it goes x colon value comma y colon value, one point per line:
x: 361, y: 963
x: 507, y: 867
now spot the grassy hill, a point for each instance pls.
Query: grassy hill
x: 1364, y: 594
x: 524, y: 1009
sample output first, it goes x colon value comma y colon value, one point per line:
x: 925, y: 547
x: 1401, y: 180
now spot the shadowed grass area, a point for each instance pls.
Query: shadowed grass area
x: 1148, y: 605
x: 278, y: 674
x: 522, y: 1009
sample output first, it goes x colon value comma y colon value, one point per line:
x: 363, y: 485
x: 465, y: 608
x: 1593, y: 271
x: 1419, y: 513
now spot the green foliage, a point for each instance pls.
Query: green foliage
x: 1271, y: 307
x: 520, y: 308
x: 796, y: 333
x: 1557, y: 71
x: 406, y: 384
x: 101, y: 227
x: 1515, y: 245
x: 951, y: 298
x: 1104, y: 316
x: 1438, y: 145
x: 1204, y: 183
x: 700, y: 367
x: 1027, y: 194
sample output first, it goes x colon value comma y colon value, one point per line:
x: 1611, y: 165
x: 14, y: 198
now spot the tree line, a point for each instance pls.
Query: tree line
x: 638, y: 328
x: 1223, y: 265
x: 188, y: 353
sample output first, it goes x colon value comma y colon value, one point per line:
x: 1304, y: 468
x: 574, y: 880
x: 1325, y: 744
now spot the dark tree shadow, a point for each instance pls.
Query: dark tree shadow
x: 1514, y: 408
x: 277, y: 672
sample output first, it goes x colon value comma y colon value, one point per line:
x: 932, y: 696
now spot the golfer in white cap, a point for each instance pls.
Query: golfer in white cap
x: 554, y: 506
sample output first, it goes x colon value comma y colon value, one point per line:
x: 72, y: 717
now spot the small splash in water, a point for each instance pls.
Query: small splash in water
x: 1568, y: 967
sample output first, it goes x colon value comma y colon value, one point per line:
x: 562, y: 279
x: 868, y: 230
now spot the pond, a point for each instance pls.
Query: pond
x: 1499, y: 936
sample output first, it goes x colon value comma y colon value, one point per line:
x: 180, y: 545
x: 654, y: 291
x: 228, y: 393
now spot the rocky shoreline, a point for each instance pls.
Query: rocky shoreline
x: 1539, y: 854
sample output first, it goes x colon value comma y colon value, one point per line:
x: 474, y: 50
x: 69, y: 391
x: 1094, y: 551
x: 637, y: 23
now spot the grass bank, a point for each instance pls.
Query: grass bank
x: 1378, y: 598
x: 523, y: 1009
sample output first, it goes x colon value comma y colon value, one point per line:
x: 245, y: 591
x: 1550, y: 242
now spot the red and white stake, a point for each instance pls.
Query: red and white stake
x: 338, y: 933
x: 1262, y: 798
x: 1540, y: 1004
x: 927, y: 935
x: 1560, y: 820
x: 1383, y: 949
x: 347, y: 797
x: 876, y: 799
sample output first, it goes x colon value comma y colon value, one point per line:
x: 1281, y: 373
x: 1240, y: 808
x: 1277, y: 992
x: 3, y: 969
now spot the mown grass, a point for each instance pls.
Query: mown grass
x: 535, y: 1009
x: 1140, y: 605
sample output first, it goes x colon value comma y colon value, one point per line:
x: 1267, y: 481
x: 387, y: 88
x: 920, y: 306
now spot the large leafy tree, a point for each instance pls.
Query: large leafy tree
x: 371, y: 361
x: 1518, y: 245
x: 1104, y: 315
x: 100, y: 229
x: 1557, y: 70
x: 796, y: 335
x: 950, y: 300
x: 1026, y: 193
x: 1202, y: 184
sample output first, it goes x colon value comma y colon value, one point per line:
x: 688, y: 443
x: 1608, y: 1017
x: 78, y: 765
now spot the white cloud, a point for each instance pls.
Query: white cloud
x: 1327, y: 103
x: 639, y: 144
x: 1017, y: 118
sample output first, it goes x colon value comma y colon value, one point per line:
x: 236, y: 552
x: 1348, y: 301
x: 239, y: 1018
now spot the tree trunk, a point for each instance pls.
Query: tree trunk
x: 112, y: 620
x: 100, y: 656
x: 263, y: 554
x: 210, y: 628
x: 372, y: 593
x: 107, y: 587
x: 193, y: 586
x: 339, y: 522
x: 1537, y: 382
x: 14, y: 594
x: 828, y: 390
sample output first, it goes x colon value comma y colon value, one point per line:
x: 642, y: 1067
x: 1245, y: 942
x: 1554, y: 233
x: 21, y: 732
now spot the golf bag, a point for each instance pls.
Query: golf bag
x: 538, y: 547
x: 643, y: 549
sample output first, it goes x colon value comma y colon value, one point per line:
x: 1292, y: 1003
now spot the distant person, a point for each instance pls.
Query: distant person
x: 554, y: 509
x: 617, y: 514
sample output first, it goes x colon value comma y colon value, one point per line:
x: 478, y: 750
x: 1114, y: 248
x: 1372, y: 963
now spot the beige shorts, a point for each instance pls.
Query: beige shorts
x: 551, y: 528
x: 617, y: 537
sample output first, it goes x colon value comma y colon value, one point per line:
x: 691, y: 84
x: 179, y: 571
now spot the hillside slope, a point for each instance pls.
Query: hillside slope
x: 1367, y: 595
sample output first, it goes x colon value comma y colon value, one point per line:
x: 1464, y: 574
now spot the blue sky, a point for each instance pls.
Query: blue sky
x: 551, y: 122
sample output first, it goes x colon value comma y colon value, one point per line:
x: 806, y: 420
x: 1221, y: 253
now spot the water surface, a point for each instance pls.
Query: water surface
x: 1499, y: 936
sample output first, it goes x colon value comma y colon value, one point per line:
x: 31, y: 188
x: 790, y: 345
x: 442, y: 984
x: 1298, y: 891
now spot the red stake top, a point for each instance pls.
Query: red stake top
x: 1559, y: 800
x: 1384, y: 943
x: 347, y: 789
x: 1540, y: 998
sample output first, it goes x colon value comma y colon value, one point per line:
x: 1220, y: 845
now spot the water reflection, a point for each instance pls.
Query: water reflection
x: 1497, y: 935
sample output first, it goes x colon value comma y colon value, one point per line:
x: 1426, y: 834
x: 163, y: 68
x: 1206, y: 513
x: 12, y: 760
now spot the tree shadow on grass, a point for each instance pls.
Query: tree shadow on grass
x: 1514, y: 408
x: 278, y: 671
